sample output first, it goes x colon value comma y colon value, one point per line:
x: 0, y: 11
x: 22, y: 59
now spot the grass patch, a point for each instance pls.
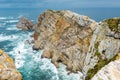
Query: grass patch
x: 101, y: 63
x: 113, y: 24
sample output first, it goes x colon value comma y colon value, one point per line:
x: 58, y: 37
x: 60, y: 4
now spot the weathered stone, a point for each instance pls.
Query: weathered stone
x: 8, y: 70
x: 109, y: 72
x: 47, y: 54
x: 25, y: 24
x: 65, y: 33
x: 75, y: 40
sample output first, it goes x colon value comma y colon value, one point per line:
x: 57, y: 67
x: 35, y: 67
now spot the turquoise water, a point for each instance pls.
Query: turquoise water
x: 28, y: 61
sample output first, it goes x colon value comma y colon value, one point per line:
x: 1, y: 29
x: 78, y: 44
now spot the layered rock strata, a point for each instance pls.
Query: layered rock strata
x: 76, y: 41
x: 109, y: 72
x: 25, y: 24
x: 8, y: 70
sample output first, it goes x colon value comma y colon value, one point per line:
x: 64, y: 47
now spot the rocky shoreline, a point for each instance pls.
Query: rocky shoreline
x: 77, y: 41
x: 80, y: 43
x: 8, y: 70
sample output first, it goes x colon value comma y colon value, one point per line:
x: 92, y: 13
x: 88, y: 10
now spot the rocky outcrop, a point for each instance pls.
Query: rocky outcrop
x: 114, y: 25
x: 65, y: 37
x: 103, y: 49
x: 25, y: 24
x: 109, y: 72
x: 76, y: 41
x: 8, y: 70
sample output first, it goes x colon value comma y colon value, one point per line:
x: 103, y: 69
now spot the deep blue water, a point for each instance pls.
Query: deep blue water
x: 29, y: 62
x: 97, y: 14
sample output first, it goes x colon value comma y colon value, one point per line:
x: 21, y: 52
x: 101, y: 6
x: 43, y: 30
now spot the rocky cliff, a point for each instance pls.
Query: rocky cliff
x: 109, y: 72
x: 8, y: 70
x: 77, y: 41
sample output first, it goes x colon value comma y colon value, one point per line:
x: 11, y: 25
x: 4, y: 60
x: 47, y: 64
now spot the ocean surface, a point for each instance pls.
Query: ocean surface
x: 16, y: 42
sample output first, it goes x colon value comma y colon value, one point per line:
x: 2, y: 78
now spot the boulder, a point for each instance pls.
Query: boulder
x: 25, y: 24
x: 8, y: 70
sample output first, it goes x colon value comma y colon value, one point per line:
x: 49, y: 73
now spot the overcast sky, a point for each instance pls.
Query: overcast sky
x: 58, y: 3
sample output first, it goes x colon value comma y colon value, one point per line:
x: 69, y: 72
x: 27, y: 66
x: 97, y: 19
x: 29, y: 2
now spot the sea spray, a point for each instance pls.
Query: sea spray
x: 18, y: 45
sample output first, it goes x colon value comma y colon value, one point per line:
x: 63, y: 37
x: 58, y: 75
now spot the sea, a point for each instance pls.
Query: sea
x: 15, y: 42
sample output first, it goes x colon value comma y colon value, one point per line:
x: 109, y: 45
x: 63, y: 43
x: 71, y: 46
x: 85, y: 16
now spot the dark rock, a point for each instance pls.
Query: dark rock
x: 34, y: 48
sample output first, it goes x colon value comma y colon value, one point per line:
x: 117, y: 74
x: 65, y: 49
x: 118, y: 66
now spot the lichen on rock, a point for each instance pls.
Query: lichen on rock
x: 8, y: 70
x: 114, y: 24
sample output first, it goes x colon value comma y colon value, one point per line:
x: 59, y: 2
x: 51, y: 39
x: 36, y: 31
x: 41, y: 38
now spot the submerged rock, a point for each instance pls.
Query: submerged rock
x: 75, y: 40
x: 25, y: 24
x: 8, y: 70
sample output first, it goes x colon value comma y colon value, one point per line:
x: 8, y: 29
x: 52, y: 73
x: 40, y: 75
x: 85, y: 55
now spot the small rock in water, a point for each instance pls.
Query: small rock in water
x: 25, y: 24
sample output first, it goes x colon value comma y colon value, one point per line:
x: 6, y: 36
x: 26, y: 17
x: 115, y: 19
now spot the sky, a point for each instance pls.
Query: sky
x: 58, y: 3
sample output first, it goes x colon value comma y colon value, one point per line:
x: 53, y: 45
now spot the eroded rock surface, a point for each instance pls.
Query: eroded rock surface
x: 109, y: 72
x: 65, y: 37
x: 25, y: 24
x: 8, y: 70
x: 114, y: 25
x: 76, y: 41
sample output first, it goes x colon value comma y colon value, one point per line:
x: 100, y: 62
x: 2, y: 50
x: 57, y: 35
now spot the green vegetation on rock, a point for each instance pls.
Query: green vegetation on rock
x: 101, y: 63
x: 97, y: 53
x: 113, y: 24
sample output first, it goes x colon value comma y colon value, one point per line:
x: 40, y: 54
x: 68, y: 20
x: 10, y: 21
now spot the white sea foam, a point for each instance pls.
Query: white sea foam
x: 48, y: 65
x: 23, y: 51
x: 72, y: 76
x: 4, y: 37
x: 12, y: 27
x: 19, y: 51
x: 3, y: 18
x: 19, y: 56
x: 11, y: 21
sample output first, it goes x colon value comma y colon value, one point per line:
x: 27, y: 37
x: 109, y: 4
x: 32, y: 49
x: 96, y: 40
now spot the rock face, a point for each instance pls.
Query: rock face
x: 109, y: 72
x: 114, y: 25
x: 102, y: 50
x: 8, y: 70
x: 25, y: 24
x: 76, y: 41
x: 65, y: 37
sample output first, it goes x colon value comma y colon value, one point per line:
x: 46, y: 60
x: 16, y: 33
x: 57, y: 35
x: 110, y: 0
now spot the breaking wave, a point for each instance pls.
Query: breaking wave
x: 28, y: 61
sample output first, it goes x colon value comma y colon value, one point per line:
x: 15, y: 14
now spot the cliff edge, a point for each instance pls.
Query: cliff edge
x: 77, y: 41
